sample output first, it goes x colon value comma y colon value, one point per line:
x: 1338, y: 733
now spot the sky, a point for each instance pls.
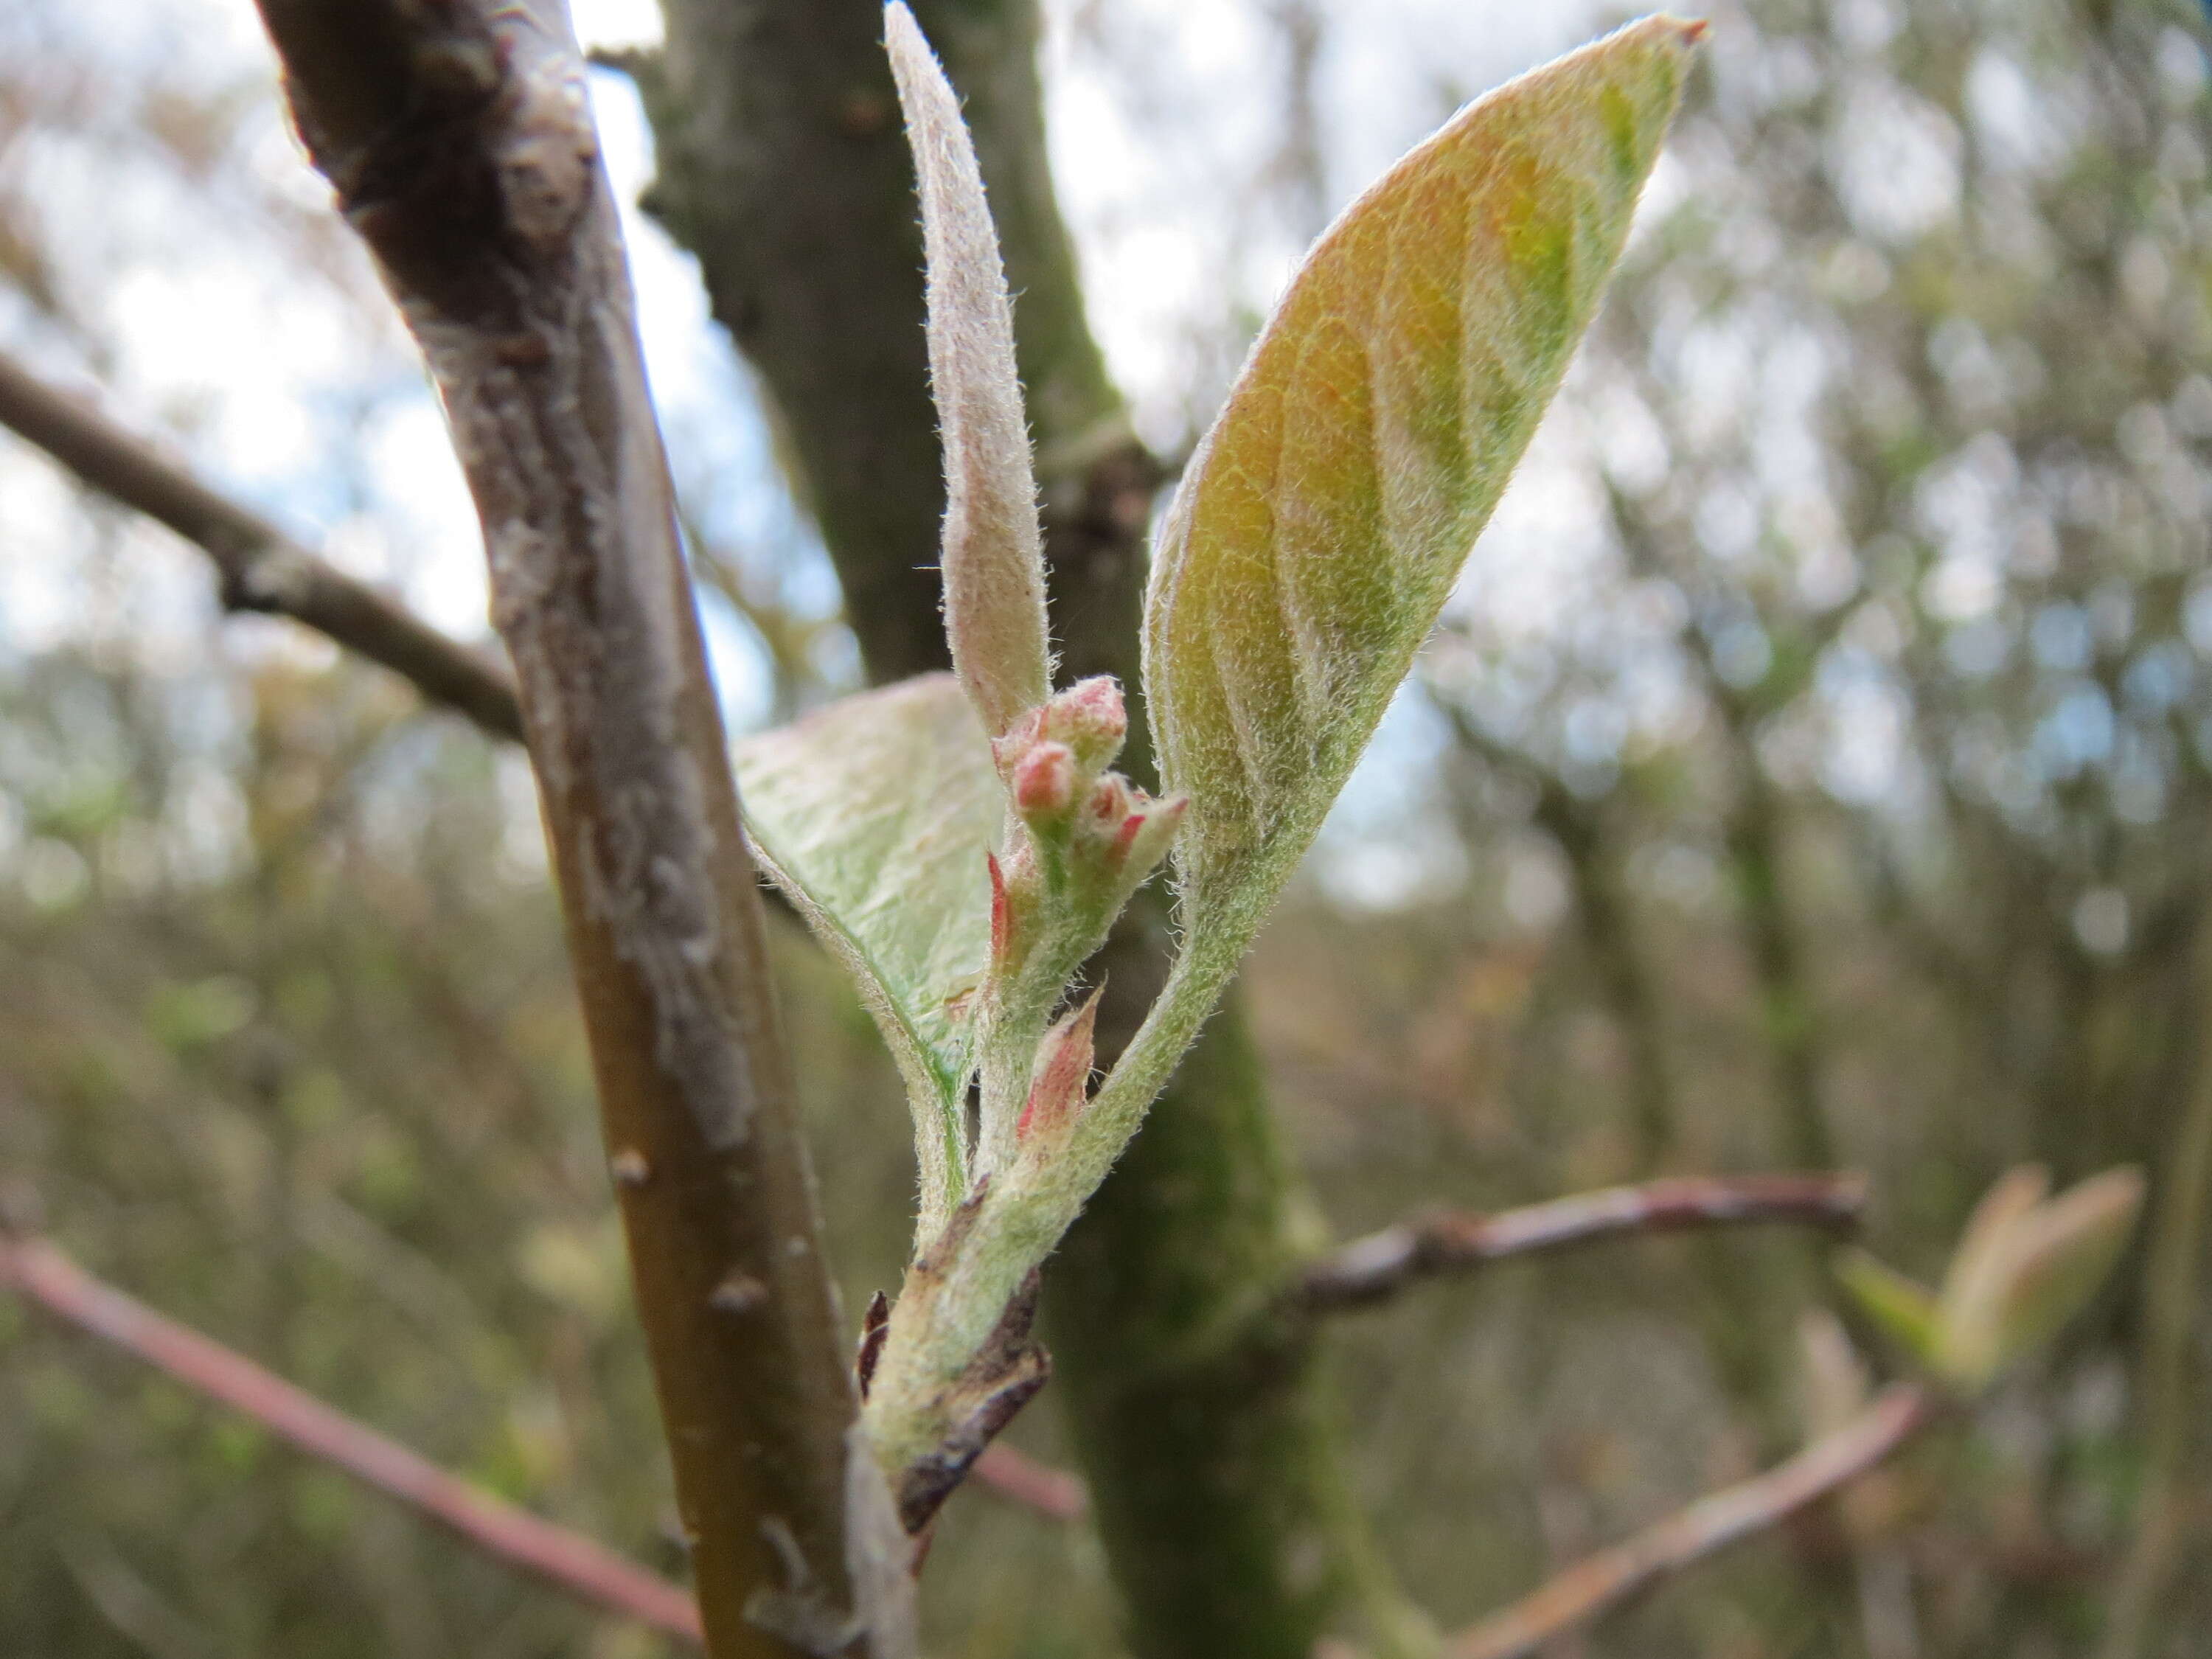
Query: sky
x: 269, y: 381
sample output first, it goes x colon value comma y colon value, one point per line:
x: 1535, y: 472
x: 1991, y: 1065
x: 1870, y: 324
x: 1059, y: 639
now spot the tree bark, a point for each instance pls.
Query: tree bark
x: 459, y: 141
x: 1197, y: 1412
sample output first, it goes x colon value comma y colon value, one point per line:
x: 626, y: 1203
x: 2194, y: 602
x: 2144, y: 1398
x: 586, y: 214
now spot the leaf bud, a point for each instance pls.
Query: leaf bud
x: 1062, y: 1073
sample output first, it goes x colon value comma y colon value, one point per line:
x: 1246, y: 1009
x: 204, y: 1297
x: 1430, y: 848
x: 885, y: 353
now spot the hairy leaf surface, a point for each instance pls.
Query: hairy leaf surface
x: 875, y: 815
x: 1326, y: 516
x: 993, y: 563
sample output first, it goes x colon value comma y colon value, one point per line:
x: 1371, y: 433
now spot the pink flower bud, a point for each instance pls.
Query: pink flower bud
x: 1006, y: 751
x: 1110, y: 802
x: 1091, y: 718
x: 1044, y: 781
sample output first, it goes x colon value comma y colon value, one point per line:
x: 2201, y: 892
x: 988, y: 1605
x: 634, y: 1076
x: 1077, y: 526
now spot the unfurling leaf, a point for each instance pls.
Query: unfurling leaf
x: 1326, y: 516
x: 1308, y: 550
x: 995, y: 613
x: 877, y: 815
x: 1976, y: 1274
x: 2027, y: 1267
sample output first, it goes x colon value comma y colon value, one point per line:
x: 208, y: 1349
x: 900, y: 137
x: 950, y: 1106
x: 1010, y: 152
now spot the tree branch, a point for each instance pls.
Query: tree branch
x: 260, y: 568
x: 1709, y: 1526
x: 1377, y: 1268
x: 566, y: 1559
x: 458, y: 138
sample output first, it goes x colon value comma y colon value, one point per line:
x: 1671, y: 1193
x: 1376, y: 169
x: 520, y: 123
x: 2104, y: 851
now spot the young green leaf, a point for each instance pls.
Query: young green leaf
x: 877, y: 815
x: 1324, y: 519
x: 995, y: 613
x: 2062, y: 1256
x: 1903, y: 1308
x: 1308, y: 550
x: 1967, y: 1311
x: 2035, y: 1266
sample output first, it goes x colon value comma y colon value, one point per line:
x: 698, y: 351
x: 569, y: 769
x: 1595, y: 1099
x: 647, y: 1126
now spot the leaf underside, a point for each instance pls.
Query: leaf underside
x: 875, y: 814
x: 1325, y: 519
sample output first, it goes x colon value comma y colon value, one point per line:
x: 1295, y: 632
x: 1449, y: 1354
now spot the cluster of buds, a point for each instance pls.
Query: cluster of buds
x: 1092, y: 837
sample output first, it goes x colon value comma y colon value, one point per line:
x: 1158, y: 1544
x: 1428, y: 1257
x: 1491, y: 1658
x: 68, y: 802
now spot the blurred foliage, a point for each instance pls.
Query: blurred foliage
x: 1815, y: 763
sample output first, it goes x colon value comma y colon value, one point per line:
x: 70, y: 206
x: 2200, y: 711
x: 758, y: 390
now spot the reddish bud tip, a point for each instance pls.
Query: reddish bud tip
x: 1044, y: 781
x: 1091, y: 718
x: 1111, y: 800
x: 1058, y: 1086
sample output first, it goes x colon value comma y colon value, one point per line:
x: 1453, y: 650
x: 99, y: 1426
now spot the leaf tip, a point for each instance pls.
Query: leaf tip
x: 993, y: 561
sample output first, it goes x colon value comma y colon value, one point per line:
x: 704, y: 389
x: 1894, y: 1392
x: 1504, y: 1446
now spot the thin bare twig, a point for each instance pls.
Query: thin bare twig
x: 566, y: 1559
x: 1371, y: 1269
x: 1707, y: 1527
x: 259, y: 568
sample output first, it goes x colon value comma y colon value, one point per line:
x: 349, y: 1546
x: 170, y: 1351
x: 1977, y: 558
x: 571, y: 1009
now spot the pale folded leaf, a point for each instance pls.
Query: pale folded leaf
x: 876, y: 815
x: 995, y: 613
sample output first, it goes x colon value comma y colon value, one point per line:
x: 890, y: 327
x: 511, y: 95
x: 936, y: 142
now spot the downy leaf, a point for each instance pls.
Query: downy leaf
x: 994, y: 614
x: 1326, y: 516
x: 876, y: 814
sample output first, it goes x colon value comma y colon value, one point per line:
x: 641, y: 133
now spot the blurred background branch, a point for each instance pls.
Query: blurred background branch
x: 1383, y: 1264
x: 260, y: 568
x: 1590, y: 1588
x: 578, y: 1566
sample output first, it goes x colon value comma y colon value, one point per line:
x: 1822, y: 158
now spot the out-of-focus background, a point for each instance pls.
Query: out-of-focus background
x: 1815, y: 768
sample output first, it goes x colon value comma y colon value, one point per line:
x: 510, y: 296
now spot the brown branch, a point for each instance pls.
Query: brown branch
x: 566, y: 1559
x: 259, y: 568
x: 458, y: 139
x: 1605, y: 1580
x: 1374, y: 1268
